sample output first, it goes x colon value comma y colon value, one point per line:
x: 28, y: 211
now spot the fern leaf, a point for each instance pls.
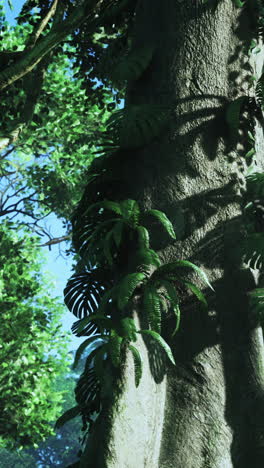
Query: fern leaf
x: 67, y: 416
x: 156, y: 336
x: 137, y: 363
x: 196, y: 291
x: 127, y: 287
x: 132, y: 66
x: 126, y: 328
x: 238, y: 3
x: 177, y: 313
x: 145, y: 256
x: 82, y: 348
x: 114, y: 347
x: 130, y: 210
x: 103, y: 322
x: 233, y: 116
x: 171, y: 290
x: 151, y: 303
x: 256, y: 303
x: 163, y: 220
x: 174, y: 266
x: 255, y: 185
x: 143, y: 237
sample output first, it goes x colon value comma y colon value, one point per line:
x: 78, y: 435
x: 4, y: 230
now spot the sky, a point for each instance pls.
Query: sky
x: 57, y: 264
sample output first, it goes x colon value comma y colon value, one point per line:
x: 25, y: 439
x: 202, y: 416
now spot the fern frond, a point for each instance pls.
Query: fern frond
x: 130, y: 211
x: 238, y: 3
x: 143, y: 237
x: 174, y: 266
x: 133, y: 65
x: 67, y: 416
x: 127, y: 287
x: 137, y: 363
x: 114, y: 348
x: 146, y: 257
x: 177, y: 312
x: 255, y: 185
x: 156, y: 336
x: 136, y: 126
x: 105, y: 204
x: 256, y: 303
x: 126, y: 328
x: 104, y: 323
x: 196, y: 291
x: 163, y: 220
x: 152, y: 307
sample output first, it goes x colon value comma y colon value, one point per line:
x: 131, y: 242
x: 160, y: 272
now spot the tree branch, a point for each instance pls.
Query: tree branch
x: 56, y: 240
x: 34, y: 55
x: 40, y: 28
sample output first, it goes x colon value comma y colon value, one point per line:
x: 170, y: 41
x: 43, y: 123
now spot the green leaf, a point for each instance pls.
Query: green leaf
x: 238, y: 3
x: 173, y: 266
x: 137, y: 363
x: 104, y: 322
x: 144, y: 256
x: 130, y: 211
x: 82, y: 348
x: 177, y: 313
x: 67, y: 416
x: 156, y: 336
x: 163, y: 220
x: 143, y: 237
x: 126, y: 328
x: 198, y: 293
x: 152, y: 307
x: 127, y: 287
x: 114, y: 346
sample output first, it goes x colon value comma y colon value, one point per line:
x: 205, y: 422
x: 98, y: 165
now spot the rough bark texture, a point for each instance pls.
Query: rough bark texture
x: 207, y: 412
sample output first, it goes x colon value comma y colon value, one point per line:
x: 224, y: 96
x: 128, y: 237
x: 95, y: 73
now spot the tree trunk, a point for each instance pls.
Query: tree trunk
x: 208, y: 410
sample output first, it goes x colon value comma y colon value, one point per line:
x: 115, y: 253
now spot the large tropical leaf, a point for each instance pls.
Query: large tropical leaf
x: 156, y: 336
x: 87, y: 391
x: 83, y: 347
x: 84, y: 291
x: 137, y: 363
x: 67, y: 416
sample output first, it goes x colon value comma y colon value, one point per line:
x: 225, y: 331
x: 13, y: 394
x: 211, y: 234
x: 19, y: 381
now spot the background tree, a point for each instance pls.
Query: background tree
x: 33, y: 350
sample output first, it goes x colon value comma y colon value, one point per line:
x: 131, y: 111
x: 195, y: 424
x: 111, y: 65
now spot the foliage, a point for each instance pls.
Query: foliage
x: 32, y: 350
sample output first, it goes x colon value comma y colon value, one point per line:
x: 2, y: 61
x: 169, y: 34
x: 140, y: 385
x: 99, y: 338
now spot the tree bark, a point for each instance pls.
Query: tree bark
x: 207, y: 411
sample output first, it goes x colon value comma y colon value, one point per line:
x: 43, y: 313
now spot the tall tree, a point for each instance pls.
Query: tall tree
x: 190, y: 132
